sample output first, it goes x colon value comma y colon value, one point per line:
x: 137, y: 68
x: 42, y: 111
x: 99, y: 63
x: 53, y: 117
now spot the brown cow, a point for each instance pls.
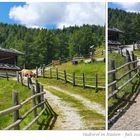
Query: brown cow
x: 27, y: 73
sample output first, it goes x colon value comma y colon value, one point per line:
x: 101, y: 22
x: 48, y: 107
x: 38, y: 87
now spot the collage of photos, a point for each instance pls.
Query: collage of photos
x: 52, y: 66
x: 69, y: 66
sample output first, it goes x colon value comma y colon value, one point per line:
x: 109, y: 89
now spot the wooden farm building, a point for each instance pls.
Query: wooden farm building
x: 113, y: 38
x: 8, y: 60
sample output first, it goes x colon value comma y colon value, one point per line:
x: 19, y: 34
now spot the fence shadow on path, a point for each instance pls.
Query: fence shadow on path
x: 125, y: 103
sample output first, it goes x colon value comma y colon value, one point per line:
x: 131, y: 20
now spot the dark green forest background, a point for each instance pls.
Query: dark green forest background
x: 41, y: 45
x: 126, y: 21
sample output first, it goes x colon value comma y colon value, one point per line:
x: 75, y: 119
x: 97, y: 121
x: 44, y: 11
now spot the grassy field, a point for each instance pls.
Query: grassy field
x: 87, y: 92
x: 98, y: 51
x: 127, y: 90
x: 6, y: 88
x: 88, y: 69
x: 137, y: 53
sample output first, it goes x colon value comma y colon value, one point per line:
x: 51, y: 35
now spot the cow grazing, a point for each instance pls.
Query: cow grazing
x: 27, y: 73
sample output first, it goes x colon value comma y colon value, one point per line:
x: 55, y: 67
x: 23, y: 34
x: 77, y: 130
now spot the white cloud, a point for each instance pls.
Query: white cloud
x: 42, y: 14
x: 130, y: 6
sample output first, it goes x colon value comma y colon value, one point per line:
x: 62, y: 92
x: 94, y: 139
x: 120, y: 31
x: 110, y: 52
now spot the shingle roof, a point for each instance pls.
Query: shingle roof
x: 9, y: 67
x: 110, y: 42
x: 115, y: 30
x: 14, y: 51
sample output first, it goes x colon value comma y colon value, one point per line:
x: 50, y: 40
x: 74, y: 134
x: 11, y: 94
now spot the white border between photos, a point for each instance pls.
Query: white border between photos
x: 73, y: 135
x: 106, y: 39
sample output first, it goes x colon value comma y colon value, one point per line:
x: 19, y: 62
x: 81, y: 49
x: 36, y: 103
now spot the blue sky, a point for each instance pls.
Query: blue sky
x: 4, y: 11
x: 127, y: 6
x: 52, y: 15
x: 113, y: 5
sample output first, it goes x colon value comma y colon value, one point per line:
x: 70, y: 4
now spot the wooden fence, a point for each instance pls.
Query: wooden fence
x: 84, y: 81
x: 7, y: 75
x: 130, y: 66
x: 39, y: 69
x: 38, y: 101
x: 119, y: 78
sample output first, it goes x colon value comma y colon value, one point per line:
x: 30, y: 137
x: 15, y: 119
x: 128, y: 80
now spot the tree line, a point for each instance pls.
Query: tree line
x: 40, y: 46
x: 129, y: 22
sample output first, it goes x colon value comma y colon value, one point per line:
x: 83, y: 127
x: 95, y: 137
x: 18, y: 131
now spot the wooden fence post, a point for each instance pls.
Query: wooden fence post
x: 121, y: 52
x: 50, y: 72
x: 17, y: 76
x: 21, y: 79
x: 128, y: 59
x: 16, y: 113
x: 38, y: 91
x: 28, y: 85
x: 29, y: 82
x: 65, y: 76
x: 43, y: 70
x: 136, y: 64
x: 36, y: 72
x: 57, y: 74
x: 96, y: 82
x: 133, y: 46
x: 42, y: 96
x: 7, y: 76
x: 34, y: 102
x: 102, y: 52
x: 83, y: 79
x: 133, y: 59
x: 112, y: 66
x: 73, y: 78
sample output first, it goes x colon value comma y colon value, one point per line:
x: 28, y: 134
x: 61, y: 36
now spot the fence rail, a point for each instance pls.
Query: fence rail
x: 95, y: 82
x: 119, y: 78
x: 7, y: 75
x: 130, y: 66
x: 38, y: 101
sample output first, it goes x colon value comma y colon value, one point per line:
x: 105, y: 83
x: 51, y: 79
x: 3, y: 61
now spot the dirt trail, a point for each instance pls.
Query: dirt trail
x: 68, y: 118
x: 131, y: 119
x: 87, y: 103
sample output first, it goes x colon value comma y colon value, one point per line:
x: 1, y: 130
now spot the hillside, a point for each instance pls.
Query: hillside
x: 129, y: 22
x: 42, y: 45
x: 6, y: 89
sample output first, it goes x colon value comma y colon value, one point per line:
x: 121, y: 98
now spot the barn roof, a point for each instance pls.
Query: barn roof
x: 115, y: 30
x: 110, y: 42
x: 11, y: 50
x: 9, y: 67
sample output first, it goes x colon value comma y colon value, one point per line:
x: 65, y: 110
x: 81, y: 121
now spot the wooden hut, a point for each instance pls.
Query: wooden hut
x: 113, y: 38
x: 8, y: 61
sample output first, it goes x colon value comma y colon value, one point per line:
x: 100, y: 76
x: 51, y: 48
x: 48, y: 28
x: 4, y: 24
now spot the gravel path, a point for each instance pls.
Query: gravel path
x: 131, y: 119
x: 87, y: 103
x: 68, y: 118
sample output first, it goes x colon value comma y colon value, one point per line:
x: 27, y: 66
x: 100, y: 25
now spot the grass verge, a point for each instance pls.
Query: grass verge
x: 6, y: 88
x: 91, y: 118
